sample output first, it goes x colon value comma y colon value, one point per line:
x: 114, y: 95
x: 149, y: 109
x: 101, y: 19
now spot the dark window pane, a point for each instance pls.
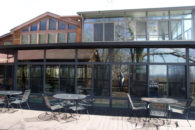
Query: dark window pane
x: 61, y: 26
x: 67, y: 78
x: 33, y: 27
x: 36, y: 79
x: 109, y: 31
x: 52, y: 79
x: 138, y: 81
x: 98, y: 32
x: 52, y: 24
x: 84, y: 79
x: 192, y: 82
x: 71, y: 26
x: 43, y: 24
x: 25, y: 30
x: 102, y: 80
x: 22, y: 77
x: 101, y: 55
x: 177, y: 81
x: 6, y: 77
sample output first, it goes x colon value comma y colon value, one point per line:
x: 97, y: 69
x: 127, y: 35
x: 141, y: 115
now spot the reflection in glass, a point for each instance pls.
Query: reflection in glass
x: 119, y: 80
x: 177, y: 81
x: 158, y: 80
x: 176, y: 30
x: 191, y: 55
x: 130, y: 29
x: 52, y: 79
x: 22, y: 77
x: 67, y: 55
x: 36, y: 79
x: 71, y: 26
x: 101, y: 55
x: 6, y: 77
x: 140, y: 30
x: 120, y: 34
x: 33, y: 27
x: 88, y: 33
x: 102, y: 80
x: 61, y: 37
x: 61, y: 25
x: 33, y: 38
x: 52, y: 24
x: 84, y: 79
x: 24, y: 38
x: 71, y: 37
x: 52, y: 38
x: 129, y: 55
x: 42, y: 38
x: 163, y: 30
x: 187, y: 29
x: 6, y: 56
x: 138, y: 80
x: 167, y: 55
x: 43, y: 25
x: 180, y: 14
x: 152, y: 28
x: 67, y: 79
x: 192, y: 81
x: 158, y: 15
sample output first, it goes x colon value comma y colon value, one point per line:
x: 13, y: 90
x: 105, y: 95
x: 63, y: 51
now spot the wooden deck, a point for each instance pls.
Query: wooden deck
x: 33, y: 120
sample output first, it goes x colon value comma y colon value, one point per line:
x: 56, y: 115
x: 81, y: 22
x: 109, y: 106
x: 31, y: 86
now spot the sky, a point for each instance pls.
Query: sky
x: 16, y: 12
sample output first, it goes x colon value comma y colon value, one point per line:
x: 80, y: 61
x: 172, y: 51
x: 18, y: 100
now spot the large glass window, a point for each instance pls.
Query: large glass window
x: 119, y: 80
x: 158, y: 80
x: 192, y: 82
x: 176, y: 30
x: 36, y: 79
x: 52, y: 79
x: 52, y: 24
x: 43, y: 25
x: 102, y: 80
x: 180, y: 14
x: 61, y: 25
x: 88, y: 33
x: 71, y: 37
x: 152, y: 29
x: 167, y: 55
x: 109, y: 31
x: 84, y: 79
x: 177, y: 81
x: 163, y: 30
x: 51, y: 38
x: 71, y: 26
x: 24, y: 38
x: 98, y: 32
x: 141, y: 31
x: 23, y: 77
x: 191, y: 55
x: 156, y: 15
x: 67, y: 78
x: 33, y: 27
x: 120, y: 33
x: 138, y: 80
x: 102, y: 55
x: 61, y: 37
x: 33, y: 38
x: 42, y: 38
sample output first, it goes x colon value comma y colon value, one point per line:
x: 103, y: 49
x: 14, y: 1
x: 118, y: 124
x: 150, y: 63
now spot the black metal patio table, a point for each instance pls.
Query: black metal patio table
x: 7, y: 94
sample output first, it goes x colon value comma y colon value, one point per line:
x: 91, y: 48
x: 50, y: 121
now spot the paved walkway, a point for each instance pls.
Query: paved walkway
x: 34, y: 120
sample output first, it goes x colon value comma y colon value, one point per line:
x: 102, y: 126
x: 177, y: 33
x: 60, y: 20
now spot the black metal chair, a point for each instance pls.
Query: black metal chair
x: 135, y: 109
x: 182, y: 110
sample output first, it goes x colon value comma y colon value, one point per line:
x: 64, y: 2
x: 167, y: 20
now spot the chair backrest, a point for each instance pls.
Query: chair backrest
x: 26, y: 95
x: 130, y: 101
x: 46, y: 101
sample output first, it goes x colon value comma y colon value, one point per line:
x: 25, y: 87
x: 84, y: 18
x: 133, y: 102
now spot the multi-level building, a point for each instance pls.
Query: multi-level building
x: 151, y: 50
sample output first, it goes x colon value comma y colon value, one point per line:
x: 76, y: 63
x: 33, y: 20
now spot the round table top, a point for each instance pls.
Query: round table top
x: 10, y: 92
x: 70, y: 96
x: 160, y: 100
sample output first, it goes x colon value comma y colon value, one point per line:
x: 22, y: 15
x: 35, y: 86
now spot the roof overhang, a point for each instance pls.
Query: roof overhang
x: 89, y: 45
x: 102, y: 12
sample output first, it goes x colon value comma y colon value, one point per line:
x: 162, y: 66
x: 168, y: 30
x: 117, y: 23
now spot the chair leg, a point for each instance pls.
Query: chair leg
x: 28, y: 105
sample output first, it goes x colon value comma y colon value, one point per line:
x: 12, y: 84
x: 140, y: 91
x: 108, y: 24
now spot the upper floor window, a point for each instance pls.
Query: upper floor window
x: 52, y: 24
x: 43, y: 24
x: 33, y: 27
x: 71, y: 26
x: 25, y: 30
x: 61, y: 25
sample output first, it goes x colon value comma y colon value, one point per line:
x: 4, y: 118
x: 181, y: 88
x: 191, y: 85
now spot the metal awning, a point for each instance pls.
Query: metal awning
x: 88, y: 45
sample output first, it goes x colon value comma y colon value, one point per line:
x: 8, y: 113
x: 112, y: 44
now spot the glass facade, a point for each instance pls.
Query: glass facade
x: 139, y: 26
